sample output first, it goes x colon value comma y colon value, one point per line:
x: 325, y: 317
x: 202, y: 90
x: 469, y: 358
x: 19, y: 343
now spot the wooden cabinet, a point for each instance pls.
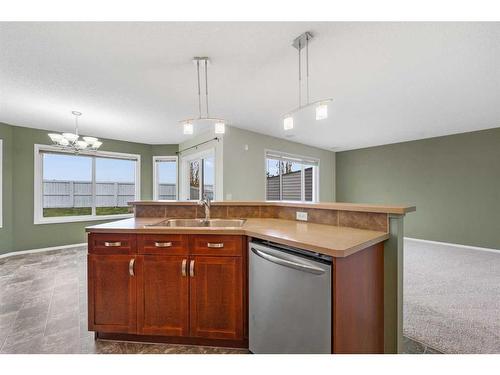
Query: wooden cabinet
x: 112, y: 288
x: 162, y: 295
x: 216, y: 296
x: 162, y: 244
x: 170, y: 285
x: 217, y: 245
x: 112, y: 243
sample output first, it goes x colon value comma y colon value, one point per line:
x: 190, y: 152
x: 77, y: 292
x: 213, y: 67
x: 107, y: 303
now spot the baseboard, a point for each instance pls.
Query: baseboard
x: 33, y: 251
x: 453, y: 245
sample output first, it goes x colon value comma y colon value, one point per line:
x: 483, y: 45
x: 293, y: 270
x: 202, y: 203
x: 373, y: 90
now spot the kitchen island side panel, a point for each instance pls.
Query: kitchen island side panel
x: 358, y: 302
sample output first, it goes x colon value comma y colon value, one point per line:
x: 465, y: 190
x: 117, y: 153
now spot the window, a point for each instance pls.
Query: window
x: 165, y: 177
x: 87, y: 186
x: 198, y: 177
x: 291, y: 177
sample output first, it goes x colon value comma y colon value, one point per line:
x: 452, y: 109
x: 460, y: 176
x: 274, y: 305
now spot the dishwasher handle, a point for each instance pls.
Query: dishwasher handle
x: 287, y: 263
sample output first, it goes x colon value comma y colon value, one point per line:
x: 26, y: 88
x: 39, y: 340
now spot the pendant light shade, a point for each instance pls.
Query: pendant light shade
x: 90, y: 140
x: 71, y: 137
x: 321, y: 111
x: 220, y: 128
x: 81, y: 145
x: 56, y: 138
x: 301, y: 42
x: 218, y: 123
x: 188, y: 128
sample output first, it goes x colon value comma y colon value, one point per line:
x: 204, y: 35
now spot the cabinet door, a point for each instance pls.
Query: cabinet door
x: 112, y: 303
x: 216, y: 296
x: 162, y: 295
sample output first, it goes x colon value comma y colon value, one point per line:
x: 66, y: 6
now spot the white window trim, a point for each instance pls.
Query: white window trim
x: 38, y: 183
x: 300, y: 158
x: 184, y: 171
x: 155, y: 174
x: 1, y: 183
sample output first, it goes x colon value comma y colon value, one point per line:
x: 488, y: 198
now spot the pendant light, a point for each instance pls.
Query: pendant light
x: 72, y: 142
x: 188, y: 124
x: 301, y: 42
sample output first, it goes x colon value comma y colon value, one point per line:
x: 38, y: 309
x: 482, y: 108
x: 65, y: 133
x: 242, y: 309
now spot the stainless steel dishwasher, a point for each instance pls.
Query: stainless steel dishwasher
x: 289, y: 300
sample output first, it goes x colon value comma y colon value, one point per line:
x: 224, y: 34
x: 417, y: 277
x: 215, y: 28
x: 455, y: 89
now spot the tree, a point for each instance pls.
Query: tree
x: 287, y: 167
x: 194, y: 179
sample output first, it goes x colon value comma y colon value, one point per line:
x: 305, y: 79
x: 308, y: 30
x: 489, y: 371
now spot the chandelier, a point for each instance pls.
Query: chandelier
x: 301, y: 42
x: 187, y: 124
x: 72, y: 141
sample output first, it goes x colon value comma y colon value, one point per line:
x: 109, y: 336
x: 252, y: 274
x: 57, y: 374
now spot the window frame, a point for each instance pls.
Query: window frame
x: 314, y: 162
x: 155, y: 175
x: 38, y: 185
x: 185, y: 160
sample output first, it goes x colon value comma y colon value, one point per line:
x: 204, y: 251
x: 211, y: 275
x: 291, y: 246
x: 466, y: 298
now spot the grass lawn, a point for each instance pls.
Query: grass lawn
x: 82, y: 211
x: 111, y: 210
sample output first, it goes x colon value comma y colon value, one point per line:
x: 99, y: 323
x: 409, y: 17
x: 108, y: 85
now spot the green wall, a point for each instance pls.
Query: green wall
x: 19, y: 232
x: 7, y: 230
x: 454, y: 181
x: 244, y: 170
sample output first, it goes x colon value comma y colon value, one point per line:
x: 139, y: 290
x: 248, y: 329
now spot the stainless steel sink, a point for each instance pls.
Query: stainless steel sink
x: 201, y: 223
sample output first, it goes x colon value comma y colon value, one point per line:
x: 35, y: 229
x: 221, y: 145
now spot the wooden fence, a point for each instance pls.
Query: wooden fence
x: 64, y: 194
x: 291, y: 189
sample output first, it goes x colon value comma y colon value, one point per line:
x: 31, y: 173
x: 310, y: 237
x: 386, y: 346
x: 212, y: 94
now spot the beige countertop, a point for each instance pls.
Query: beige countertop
x: 326, y: 239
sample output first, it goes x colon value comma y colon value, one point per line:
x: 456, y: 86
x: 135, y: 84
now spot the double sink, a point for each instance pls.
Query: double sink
x: 200, y: 223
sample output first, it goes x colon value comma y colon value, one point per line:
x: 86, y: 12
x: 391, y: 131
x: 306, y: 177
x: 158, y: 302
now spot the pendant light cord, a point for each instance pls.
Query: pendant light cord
x: 206, y: 85
x: 199, y: 91
x: 307, y: 68
x: 76, y: 124
x: 300, y: 78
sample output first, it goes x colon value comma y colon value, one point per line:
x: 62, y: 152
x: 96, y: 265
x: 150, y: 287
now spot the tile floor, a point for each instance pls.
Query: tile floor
x: 43, y: 309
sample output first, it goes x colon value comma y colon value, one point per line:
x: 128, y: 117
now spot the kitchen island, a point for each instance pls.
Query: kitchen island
x: 150, y: 282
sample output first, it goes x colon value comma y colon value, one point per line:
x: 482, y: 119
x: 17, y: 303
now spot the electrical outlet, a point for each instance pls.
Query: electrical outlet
x: 301, y: 215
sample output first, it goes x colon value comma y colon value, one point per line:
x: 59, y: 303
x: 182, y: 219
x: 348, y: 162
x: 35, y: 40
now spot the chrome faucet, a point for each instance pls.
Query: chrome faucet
x: 205, y: 202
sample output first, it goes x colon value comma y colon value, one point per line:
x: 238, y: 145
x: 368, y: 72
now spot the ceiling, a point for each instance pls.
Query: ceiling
x: 390, y: 82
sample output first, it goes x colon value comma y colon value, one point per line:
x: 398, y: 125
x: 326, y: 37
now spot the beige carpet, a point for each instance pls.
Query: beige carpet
x: 452, y: 297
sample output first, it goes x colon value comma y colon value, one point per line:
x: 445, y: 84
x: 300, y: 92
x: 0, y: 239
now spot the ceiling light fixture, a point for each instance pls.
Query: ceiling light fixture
x: 188, y: 128
x: 72, y: 142
x: 302, y: 41
x: 188, y: 124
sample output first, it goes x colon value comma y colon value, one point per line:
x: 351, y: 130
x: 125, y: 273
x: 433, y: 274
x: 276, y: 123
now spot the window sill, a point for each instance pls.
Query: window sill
x: 74, y: 219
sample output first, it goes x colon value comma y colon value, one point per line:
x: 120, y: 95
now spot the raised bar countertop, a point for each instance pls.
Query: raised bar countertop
x: 325, y: 239
x: 339, y: 206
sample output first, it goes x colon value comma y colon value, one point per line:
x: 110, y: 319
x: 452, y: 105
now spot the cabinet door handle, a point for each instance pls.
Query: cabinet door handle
x: 183, y: 268
x: 131, y: 267
x: 112, y: 244
x: 215, y: 245
x: 191, y: 268
x: 163, y: 244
